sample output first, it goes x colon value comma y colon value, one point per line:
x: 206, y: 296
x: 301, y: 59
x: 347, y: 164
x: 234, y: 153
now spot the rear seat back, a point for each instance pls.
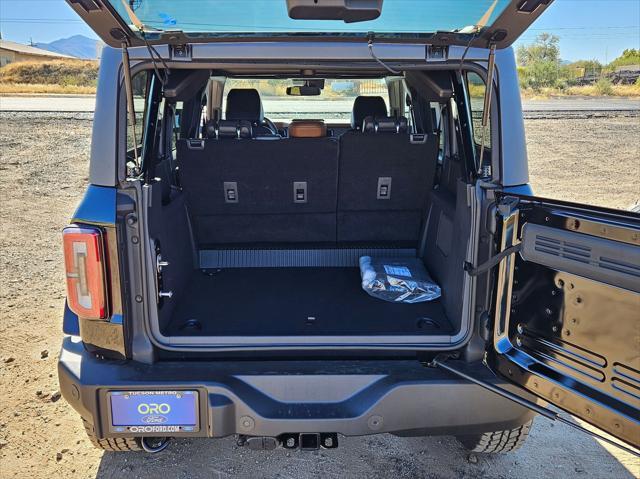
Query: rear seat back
x: 260, y: 191
x: 385, y: 175
x: 370, y: 186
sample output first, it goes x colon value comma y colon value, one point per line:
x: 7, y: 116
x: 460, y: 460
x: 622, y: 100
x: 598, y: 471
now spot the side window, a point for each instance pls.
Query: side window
x: 175, y: 129
x: 476, y: 88
x: 408, y: 112
x: 140, y: 82
x: 438, y: 129
x: 178, y: 116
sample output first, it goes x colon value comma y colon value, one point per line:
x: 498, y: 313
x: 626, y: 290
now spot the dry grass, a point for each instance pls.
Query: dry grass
x: 61, y: 75
x: 80, y: 77
x: 20, y: 88
x: 616, y: 90
x: 627, y: 91
x: 623, y: 91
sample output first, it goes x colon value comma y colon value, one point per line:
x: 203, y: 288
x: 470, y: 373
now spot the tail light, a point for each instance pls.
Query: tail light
x: 84, y: 260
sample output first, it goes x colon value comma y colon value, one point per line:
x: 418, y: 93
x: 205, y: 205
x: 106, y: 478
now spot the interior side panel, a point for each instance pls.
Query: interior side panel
x: 443, y: 248
x: 170, y: 230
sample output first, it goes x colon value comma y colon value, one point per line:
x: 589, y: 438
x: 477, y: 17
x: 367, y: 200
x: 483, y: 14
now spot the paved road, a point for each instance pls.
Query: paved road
x: 80, y: 103
x: 279, y: 108
x: 582, y: 104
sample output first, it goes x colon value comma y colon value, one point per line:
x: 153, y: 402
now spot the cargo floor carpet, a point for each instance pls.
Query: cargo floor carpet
x: 295, y: 302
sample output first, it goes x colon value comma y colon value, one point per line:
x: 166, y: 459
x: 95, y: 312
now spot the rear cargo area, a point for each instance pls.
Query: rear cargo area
x: 263, y: 232
x: 303, y: 290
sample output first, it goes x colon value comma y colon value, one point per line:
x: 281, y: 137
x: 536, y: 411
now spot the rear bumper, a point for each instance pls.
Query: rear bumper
x: 272, y: 398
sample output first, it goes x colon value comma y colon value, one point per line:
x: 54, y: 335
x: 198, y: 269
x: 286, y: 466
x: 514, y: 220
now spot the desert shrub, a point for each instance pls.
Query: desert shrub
x: 538, y: 75
x: 604, y: 87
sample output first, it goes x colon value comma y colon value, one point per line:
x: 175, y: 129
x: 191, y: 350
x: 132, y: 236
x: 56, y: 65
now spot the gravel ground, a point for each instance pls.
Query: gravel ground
x: 594, y: 161
x: 43, y: 168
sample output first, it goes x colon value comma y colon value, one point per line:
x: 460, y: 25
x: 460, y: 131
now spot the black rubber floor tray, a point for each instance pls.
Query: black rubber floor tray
x: 295, y: 302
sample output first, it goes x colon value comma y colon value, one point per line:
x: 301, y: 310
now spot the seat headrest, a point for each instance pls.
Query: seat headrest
x: 307, y: 129
x: 229, y: 129
x: 244, y: 104
x: 384, y: 124
x: 364, y: 106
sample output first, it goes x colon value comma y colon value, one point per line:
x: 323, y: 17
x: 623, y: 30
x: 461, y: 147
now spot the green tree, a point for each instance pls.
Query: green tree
x: 545, y: 48
x: 630, y: 56
x: 540, y: 62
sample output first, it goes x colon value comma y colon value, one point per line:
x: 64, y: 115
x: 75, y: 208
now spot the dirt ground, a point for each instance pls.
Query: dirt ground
x: 43, y: 170
x: 594, y: 161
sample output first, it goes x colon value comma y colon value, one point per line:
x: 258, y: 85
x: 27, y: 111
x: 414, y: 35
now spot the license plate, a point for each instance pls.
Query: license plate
x: 154, y: 411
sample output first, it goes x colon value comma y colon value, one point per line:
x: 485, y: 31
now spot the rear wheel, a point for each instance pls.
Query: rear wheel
x: 497, y: 441
x: 114, y: 444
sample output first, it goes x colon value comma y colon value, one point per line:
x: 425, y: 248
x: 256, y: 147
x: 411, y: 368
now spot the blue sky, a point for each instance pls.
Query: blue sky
x: 598, y: 29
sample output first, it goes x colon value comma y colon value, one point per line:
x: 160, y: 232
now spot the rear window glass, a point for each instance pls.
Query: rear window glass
x: 228, y: 18
x: 140, y: 83
x: 334, y: 104
x: 476, y: 88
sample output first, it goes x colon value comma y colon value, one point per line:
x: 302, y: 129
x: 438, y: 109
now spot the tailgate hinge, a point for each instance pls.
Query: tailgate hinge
x: 180, y: 52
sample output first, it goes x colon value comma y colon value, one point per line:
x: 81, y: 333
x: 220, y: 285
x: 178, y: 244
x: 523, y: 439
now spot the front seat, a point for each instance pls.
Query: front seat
x: 365, y: 106
x: 244, y: 104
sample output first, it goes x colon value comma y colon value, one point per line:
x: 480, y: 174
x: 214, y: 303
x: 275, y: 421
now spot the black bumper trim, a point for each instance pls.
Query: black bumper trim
x: 270, y: 398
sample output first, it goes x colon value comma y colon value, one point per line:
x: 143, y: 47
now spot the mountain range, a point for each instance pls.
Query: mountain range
x: 78, y: 46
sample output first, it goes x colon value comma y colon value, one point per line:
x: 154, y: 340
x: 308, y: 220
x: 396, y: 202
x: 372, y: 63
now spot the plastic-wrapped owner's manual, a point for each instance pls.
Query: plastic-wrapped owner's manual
x: 397, y: 280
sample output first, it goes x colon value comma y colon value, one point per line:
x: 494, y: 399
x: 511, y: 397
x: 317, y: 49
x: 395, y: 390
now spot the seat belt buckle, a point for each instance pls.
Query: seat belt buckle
x: 384, y: 188
x: 299, y: 191
x: 230, y: 192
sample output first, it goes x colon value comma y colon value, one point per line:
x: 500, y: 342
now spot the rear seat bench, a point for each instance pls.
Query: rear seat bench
x: 370, y: 186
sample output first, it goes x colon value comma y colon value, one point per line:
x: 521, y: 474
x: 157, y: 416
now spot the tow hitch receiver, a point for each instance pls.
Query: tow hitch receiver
x: 304, y: 441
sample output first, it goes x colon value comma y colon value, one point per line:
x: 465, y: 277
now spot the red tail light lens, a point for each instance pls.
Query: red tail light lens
x: 85, y: 267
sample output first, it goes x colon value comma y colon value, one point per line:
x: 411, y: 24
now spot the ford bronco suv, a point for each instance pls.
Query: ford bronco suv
x: 246, y: 155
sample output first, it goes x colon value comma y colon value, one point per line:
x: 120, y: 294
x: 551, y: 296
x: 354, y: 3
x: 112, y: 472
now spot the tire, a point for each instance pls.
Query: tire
x: 114, y: 444
x: 497, y: 441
